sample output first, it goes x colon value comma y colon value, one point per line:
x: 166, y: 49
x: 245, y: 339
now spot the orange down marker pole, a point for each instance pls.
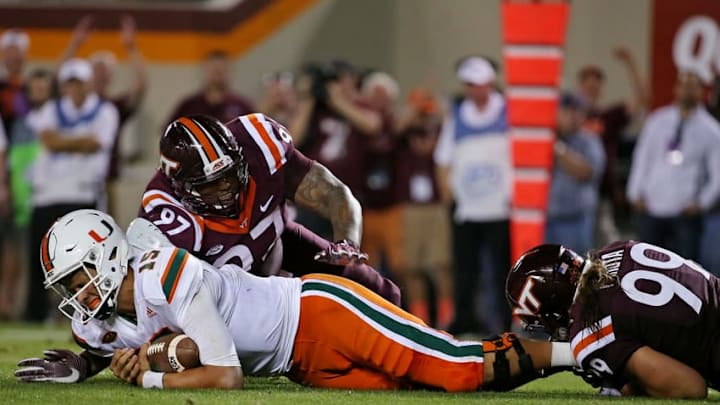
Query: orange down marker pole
x: 533, y: 40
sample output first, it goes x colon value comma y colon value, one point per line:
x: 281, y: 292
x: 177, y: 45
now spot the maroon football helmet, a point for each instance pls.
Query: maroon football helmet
x: 540, y: 288
x: 207, y: 169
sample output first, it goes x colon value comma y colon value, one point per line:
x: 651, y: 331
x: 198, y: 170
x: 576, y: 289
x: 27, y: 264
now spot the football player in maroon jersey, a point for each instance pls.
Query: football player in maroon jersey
x: 641, y: 320
x: 220, y: 193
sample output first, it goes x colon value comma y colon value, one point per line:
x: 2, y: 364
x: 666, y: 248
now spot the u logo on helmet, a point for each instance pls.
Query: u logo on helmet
x: 96, y: 236
x: 527, y: 299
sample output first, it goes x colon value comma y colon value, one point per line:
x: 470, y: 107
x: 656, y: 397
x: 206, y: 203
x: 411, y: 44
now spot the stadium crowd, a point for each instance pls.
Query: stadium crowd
x: 432, y: 173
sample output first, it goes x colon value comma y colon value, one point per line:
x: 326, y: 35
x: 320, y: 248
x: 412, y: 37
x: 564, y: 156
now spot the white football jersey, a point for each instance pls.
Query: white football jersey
x: 260, y: 314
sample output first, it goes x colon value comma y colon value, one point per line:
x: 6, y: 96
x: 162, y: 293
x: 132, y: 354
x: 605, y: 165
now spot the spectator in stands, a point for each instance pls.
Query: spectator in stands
x: 578, y: 168
x: 609, y: 122
x: 215, y: 98
x: 475, y: 171
x: 710, y: 240
x: 13, y: 104
x: 382, y: 229
x: 77, y: 132
x: 675, y: 173
x: 13, y: 49
x: 330, y: 126
x: 23, y: 151
x: 5, y: 215
x: 128, y: 101
x: 279, y: 100
x: 425, y: 223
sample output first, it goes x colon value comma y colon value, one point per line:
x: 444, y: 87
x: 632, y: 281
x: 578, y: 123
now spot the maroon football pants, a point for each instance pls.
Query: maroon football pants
x: 299, y: 248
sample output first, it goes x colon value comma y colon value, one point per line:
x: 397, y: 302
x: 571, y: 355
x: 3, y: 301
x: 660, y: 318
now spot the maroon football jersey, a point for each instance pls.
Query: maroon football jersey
x: 379, y: 167
x: 336, y: 145
x: 415, y: 179
x: 662, y: 301
x: 251, y: 241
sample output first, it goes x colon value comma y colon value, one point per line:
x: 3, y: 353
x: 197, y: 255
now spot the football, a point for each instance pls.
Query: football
x: 173, y: 353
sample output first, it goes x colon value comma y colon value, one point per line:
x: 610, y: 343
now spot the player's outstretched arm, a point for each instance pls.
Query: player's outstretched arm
x: 61, y: 366
x: 223, y: 377
x: 201, y: 321
x: 511, y: 361
x: 659, y: 375
x: 322, y: 192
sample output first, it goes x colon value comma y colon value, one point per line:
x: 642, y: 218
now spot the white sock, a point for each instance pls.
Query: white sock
x: 562, y: 355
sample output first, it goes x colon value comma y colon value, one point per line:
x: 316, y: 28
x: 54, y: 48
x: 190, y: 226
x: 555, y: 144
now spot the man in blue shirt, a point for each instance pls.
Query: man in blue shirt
x: 578, y: 169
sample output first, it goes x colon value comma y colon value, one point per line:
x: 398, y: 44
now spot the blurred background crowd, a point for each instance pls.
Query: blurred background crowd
x: 430, y: 164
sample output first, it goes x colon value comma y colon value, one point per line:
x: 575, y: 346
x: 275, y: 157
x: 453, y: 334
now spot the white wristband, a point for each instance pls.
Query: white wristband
x: 562, y: 355
x: 152, y: 379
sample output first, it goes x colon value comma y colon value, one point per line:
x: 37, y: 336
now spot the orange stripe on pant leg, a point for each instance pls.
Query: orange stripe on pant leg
x: 332, y: 341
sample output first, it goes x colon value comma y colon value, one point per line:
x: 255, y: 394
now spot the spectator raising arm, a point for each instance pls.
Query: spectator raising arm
x: 138, y: 85
x: 367, y: 121
x: 641, y: 98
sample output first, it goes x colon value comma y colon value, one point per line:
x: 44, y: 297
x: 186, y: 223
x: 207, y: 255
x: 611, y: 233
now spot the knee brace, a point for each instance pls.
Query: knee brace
x: 503, y: 381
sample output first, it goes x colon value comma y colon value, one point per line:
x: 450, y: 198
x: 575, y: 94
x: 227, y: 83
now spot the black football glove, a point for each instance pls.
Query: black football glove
x: 342, y: 253
x: 596, y: 379
x: 58, y: 365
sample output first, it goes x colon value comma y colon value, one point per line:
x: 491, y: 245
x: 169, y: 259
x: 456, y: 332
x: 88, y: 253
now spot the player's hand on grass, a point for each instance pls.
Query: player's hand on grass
x: 58, y: 365
x: 591, y: 376
x: 125, y: 365
x: 342, y: 253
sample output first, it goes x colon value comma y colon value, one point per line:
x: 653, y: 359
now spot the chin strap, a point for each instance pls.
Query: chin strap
x: 503, y: 381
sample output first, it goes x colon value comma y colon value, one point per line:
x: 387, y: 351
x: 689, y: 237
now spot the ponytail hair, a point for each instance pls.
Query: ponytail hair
x: 594, y: 278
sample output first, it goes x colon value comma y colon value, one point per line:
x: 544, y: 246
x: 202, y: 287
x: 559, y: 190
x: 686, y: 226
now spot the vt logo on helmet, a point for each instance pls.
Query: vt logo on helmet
x: 86, y: 241
x: 540, y: 288
x: 205, y: 165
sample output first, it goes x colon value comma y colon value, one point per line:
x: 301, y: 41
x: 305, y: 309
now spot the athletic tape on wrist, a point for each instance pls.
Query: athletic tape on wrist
x: 152, y: 379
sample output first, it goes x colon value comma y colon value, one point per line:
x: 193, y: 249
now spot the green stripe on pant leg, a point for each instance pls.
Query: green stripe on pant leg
x: 413, y: 333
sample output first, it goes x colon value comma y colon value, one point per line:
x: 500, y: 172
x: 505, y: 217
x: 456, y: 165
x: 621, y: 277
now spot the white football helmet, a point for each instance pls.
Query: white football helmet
x: 91, y: 241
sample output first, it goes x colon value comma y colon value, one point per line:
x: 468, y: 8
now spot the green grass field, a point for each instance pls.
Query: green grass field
x: 19, y: 341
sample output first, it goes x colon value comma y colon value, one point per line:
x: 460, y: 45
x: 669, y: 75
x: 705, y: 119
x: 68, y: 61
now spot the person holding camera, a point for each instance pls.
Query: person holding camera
x: 330, y: 126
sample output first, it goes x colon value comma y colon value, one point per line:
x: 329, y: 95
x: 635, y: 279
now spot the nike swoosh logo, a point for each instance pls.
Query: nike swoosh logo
x: 265, y: 206
x: 214, y: 250
x: 73, y: 377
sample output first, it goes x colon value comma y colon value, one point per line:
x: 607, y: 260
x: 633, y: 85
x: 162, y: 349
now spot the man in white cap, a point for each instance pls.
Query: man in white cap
x: 77, y: 132
x: 474, y: 172
x: 127, y: 100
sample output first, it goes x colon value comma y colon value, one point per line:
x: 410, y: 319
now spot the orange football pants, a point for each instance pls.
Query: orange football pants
x: 351, y: 338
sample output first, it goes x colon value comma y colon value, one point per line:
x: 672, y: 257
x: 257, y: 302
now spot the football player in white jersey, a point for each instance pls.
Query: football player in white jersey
x: 319, y: 330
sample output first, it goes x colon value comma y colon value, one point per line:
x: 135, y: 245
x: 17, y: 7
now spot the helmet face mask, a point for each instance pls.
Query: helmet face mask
x: 206, y: 168
x: 540, y: 288
x: 97, y: 285
x: 89, y: 241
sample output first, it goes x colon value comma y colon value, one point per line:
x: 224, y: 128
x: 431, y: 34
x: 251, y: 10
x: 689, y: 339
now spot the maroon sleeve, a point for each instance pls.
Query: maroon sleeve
x: 160, y: 207
x: 178, y: 225
x: 297, y: 165
x: 601, y: 348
